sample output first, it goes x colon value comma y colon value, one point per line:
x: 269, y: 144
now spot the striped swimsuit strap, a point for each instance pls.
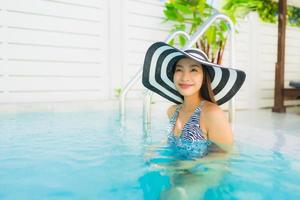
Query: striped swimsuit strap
x: 178, y: 108
x: 192, y: 125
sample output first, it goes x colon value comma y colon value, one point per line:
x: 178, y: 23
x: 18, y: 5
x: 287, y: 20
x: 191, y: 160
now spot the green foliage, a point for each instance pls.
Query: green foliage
x: 188, y: 15
x: 266, y: 9
x: 293, y: 16
x: 241, y: 8
x: 118, y: 92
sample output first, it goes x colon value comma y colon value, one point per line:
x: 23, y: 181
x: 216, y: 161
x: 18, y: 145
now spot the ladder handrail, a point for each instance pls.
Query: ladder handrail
x: 194, y: 38
x: 139, y: 74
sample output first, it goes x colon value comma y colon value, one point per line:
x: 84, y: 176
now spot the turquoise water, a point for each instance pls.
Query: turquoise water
x: 87, y: 155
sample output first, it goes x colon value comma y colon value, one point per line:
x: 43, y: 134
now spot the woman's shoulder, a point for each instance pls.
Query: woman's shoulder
x: 171, y: 110
x: 212, y: 110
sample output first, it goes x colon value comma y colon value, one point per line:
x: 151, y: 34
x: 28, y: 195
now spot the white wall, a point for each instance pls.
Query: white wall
x: 143, y: 26
x: 256, y: 54
x: 53, y: 50
x: 85, y: 49
x: 268, y: 58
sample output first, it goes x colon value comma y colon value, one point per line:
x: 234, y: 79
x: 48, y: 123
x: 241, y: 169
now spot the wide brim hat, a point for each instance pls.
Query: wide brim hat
x: 160, y: 60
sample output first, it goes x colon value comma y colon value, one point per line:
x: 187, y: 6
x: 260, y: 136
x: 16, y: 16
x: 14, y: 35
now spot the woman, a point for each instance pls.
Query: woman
x: 197, y: 123
x: 198, y: 87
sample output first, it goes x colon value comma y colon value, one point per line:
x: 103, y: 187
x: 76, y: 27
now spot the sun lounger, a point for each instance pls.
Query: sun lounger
x: 295, y: 84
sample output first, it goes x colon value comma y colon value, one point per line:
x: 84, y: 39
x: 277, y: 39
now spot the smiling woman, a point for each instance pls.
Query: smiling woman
x: 198, y: 87
x: 196, y: 124
x: 188, y: 76
x: 196, y: 68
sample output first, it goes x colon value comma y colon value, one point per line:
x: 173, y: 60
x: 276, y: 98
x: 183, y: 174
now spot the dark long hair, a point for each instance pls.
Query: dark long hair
x: 206, y: 90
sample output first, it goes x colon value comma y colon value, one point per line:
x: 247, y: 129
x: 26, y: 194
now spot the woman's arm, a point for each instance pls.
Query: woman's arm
x: 218, y: 128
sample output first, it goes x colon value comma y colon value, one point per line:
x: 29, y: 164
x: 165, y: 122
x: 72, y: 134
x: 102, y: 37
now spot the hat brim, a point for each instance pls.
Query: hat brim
x: 157, y: 74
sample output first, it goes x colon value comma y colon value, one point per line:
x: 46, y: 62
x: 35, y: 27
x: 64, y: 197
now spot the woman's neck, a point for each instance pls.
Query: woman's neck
x: 191, y: 102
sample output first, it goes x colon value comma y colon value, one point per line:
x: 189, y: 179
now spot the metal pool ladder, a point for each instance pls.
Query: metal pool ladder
x: 191, y: 41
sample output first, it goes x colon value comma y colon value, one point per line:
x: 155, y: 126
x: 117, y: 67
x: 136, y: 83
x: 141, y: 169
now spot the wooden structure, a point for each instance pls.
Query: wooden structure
x: 282, y: 93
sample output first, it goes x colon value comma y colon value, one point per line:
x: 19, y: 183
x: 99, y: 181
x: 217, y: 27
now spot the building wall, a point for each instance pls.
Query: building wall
x: 143, y: 25
x: 86, y: 49
x: 267, y: 47
x: 53, y: 50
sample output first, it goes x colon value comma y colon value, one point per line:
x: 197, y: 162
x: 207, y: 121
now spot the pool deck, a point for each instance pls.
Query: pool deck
x: 265, y: 119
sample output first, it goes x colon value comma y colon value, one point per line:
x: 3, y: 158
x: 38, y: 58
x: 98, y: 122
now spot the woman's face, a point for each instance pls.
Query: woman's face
x: 188, y: 76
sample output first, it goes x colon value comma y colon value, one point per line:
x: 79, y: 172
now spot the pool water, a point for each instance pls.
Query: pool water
x: 88, y: 155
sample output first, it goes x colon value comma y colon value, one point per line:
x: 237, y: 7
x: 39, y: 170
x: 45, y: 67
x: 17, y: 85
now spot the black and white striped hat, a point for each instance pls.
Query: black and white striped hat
x: 158, y: 77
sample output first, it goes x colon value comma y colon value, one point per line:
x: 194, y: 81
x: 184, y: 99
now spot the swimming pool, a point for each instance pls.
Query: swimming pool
x: 87, y: 155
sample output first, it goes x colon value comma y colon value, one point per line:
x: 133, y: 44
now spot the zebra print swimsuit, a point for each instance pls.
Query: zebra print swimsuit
x: 191, y: 143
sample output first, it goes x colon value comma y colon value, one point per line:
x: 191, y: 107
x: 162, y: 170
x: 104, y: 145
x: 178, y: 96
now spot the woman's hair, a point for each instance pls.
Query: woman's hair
x: 206, y: 90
